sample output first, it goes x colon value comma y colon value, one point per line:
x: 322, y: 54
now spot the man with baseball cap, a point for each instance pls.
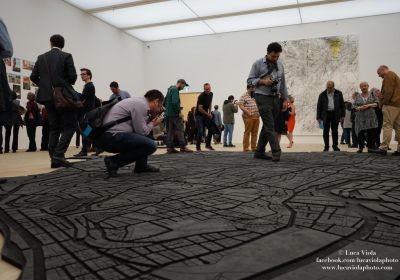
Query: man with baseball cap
x: 174, y: 118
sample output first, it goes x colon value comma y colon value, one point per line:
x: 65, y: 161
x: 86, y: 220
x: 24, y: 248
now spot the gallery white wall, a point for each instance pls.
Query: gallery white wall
x: 110, y: 53
x: 224, y: 60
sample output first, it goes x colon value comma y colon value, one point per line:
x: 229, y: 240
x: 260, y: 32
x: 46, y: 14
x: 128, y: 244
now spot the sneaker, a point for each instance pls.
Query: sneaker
x: 359, y: 151
x: 186, y: 150
x: 379, y: 151
x: 326, y: 149
x: 81, y: 154
x: 336, y: 149
x: 276, y: 158
x: 210, y: 148
x: 198, y: 149
x: 225, y: 145
x: 231, y: 145
x: 262, y: 156
x: 112, y: 171
x: 172, y: 151
x: 148, y: 168
x: 60, y: 163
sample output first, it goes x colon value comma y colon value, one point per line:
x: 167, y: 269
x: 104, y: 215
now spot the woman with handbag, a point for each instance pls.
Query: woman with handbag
x: 32, y: 120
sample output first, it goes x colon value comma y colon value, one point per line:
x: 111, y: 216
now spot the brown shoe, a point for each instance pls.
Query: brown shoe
x: 210, y: 148
x: 186, y: 150
x: 172, y: 151
x: 276, y: 158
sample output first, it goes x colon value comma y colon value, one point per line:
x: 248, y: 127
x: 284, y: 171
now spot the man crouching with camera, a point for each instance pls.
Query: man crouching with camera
x: 268, y: 77
x: 129, y: 139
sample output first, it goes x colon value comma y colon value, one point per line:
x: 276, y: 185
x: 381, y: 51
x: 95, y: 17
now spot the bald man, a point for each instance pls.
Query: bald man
x: 390, y: 104
x: 331, y: 111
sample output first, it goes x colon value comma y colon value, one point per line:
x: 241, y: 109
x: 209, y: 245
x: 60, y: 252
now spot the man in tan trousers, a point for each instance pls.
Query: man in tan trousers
x: 390, y: 104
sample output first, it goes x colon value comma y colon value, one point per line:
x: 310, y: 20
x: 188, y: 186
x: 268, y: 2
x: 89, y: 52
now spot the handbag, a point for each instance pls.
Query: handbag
x: 64, y: 98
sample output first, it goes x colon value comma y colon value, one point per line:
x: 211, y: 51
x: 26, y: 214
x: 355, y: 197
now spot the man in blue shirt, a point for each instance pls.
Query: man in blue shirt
x: 116, y: 92
x: 268, y: 77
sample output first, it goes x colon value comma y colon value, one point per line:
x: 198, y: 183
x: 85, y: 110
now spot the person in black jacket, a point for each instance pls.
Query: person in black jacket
x: 331, y: 111
x: 88, y: 98
x: 6, y: 105
x: 16, y: 123
x: 55, y: 68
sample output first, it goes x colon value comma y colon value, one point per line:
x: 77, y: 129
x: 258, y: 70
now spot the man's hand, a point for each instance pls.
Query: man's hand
x: 266, y: 82
x: 156, y: 121
x: 341, y: 119
x: 284, y: 106
x: 181, y: 116
x: 380, y: 95
x: 209, y: 115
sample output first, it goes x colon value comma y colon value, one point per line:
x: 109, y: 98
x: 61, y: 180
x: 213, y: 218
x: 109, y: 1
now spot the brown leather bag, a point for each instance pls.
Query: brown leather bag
x: 63, y: 97
x: 62, y: 101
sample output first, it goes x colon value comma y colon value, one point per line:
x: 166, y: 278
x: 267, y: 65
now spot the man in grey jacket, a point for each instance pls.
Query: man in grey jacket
x: 268, y: 77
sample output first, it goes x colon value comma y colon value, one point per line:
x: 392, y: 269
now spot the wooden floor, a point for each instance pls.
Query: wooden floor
x: 23, y: 164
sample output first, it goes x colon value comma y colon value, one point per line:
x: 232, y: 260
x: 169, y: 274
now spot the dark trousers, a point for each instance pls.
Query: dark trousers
x: 203, y: 123
x: 77, y: 138
x: 62, y: 127
x: 130, y: 147
x: 354, y: 137
x: 1, y: 138
x: 347, y: 135
x: 377, y: 134
x: 268, y: 107
x: 31, y: 130
x: 175, y: 125
x: 370, y: 135
x: 15, y: 132
x: 44, y: 145
x: 331, y: 123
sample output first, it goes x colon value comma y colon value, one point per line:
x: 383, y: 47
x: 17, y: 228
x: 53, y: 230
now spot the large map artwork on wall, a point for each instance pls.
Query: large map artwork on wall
x: 309, y: 64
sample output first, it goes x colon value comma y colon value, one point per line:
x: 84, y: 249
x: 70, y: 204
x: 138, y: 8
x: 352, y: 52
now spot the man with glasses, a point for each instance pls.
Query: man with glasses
x: 88, y: 98
x: 129, y: 139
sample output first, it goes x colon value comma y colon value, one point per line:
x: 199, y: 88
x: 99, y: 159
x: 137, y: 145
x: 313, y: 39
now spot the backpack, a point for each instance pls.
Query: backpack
x: 92, y: 126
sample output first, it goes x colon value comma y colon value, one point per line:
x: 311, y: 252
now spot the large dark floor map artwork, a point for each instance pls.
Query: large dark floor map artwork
x: 209, y: 216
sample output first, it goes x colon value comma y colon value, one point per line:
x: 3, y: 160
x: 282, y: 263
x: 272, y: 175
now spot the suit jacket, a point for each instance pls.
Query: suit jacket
x: 391, y: 90
x: 322, y: 107
x: 60, y: 71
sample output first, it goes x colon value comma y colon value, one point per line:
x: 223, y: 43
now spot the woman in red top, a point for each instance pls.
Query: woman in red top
x: 291, y: 121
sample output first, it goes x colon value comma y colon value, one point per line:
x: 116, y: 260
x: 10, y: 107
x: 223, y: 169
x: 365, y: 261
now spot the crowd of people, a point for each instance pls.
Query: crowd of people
x: 59, y: 109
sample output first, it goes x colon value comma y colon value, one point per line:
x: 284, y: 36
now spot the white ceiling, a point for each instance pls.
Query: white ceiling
x: 150, y: 20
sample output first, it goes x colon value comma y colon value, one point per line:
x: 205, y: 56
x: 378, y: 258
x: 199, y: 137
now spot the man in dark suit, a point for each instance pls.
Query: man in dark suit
x: 331, y: 111
x: 55, y: 68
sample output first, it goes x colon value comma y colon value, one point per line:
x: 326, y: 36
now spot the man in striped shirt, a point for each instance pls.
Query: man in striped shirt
x: 251, y: 119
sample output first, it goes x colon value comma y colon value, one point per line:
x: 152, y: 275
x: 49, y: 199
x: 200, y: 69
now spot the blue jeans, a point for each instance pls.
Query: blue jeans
x: 129, y: 147
x: 202, y: 122
x: 228, y: 132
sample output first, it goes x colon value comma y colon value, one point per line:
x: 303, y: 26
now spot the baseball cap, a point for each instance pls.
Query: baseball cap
x: 182, y: 81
